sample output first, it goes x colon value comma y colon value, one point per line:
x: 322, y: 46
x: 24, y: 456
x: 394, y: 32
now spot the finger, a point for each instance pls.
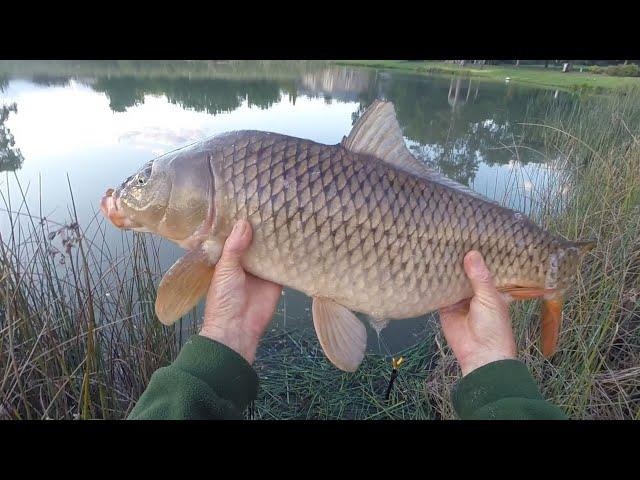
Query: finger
x: 236, y: 244
x: 452, y: 315
x: 261, y: 283
x: 479, y: 275
x: 461, y: 307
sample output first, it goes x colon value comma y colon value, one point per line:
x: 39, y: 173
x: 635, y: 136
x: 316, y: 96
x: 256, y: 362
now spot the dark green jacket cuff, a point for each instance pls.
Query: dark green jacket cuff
x: 208, y: 380
x: 502, y: 390
x: 226, y: 372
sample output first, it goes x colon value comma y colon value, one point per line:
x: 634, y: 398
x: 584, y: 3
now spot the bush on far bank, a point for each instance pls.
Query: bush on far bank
x: 629, y: 70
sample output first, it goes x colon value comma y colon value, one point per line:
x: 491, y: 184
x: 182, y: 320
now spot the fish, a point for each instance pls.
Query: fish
x: 359, y: 226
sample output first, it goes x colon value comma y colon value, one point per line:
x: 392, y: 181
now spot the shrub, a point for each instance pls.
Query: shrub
x: 630, y: 70
x: 595, y: 69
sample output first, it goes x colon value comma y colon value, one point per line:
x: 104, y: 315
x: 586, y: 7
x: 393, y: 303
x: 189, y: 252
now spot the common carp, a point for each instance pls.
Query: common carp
x: 358, y: 226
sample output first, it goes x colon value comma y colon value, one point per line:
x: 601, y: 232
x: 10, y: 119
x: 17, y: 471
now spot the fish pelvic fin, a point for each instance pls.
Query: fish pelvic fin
x: 342, y: 335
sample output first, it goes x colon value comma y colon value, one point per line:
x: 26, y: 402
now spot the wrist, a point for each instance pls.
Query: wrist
x: 471, y: 363
x: 242, y: 344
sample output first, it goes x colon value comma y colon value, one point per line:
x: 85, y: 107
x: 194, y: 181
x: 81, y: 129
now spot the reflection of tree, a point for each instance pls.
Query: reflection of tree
x: 211, y: 96
x: 10, y: 156
x: 50, y: 80
x: 122, y: 92
x: 340, y: 83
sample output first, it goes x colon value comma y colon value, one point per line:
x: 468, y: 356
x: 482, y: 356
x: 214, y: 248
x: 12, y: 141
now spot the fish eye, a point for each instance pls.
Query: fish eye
x: 144, y: 175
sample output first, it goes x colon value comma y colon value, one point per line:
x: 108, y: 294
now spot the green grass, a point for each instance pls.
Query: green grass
x: 241, y: 69
x: 539, y: 76
x: 79, y: 338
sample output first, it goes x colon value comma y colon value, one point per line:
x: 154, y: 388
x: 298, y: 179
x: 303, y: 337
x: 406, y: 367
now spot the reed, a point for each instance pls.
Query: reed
x: 78, y: 337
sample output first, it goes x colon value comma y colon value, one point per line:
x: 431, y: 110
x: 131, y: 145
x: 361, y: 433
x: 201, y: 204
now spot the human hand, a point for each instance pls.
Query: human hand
x: 479, y: 329
x: 239, y: 306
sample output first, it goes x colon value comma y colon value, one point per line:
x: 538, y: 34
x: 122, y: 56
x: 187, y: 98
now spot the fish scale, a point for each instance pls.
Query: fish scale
x: 359, y: 226
x: 347, y: 227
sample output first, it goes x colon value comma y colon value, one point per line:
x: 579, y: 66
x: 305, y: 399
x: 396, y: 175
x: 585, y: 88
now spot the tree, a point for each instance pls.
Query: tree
x: 10, y: 157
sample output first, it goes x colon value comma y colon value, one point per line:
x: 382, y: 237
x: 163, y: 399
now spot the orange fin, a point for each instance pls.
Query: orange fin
x: 182, y: 287
x: 523, y: 293
x: 551, y: 320
x: 342, y: 335
x: 584, y: 247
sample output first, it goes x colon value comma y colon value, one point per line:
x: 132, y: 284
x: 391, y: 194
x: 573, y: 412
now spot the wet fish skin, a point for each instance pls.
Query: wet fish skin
x: 359, y: 226
x: 337, y: 224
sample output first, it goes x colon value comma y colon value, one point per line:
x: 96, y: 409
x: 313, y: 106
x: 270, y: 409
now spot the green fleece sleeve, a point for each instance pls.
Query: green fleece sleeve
x: 208, y: 381
x: 502, y: 390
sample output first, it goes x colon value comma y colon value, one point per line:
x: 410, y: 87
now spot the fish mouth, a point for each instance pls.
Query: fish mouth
x: 110, y: 207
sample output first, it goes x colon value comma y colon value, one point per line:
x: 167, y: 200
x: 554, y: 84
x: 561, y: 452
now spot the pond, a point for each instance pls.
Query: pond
x: 97, y: 124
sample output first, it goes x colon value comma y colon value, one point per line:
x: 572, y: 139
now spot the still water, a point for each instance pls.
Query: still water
x: 96, y: 128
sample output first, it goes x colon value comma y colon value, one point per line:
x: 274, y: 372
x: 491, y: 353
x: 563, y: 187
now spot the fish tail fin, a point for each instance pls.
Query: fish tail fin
x: 586, y: 246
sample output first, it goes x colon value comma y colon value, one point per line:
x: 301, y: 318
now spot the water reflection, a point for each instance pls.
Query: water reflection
x: 343, y: 84
x: 10, y: 156
x: 453, y: 124
x: 210, y: 96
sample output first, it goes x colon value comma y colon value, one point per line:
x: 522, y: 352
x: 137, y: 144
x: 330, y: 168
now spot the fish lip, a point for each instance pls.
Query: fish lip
x: 110, y: 207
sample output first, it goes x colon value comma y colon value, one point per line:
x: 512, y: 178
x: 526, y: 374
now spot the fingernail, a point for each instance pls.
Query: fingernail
x: 475, y: 260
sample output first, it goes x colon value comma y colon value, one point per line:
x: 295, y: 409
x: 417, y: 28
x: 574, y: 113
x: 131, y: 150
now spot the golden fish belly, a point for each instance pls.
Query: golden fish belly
x: 349, y: 227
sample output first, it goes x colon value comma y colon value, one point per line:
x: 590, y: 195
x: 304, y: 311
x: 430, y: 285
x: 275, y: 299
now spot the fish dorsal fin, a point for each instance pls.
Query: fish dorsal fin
x: 378, y: 133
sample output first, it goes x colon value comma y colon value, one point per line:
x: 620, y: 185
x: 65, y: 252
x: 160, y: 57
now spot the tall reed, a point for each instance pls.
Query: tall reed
x: 78, y: 336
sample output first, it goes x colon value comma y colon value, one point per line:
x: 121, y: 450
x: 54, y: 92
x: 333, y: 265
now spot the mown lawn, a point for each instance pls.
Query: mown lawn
x: 545, y: 77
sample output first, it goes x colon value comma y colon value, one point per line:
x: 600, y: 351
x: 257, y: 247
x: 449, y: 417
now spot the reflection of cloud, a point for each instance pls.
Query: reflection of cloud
x: 74, y: 122
x: 161, y: 136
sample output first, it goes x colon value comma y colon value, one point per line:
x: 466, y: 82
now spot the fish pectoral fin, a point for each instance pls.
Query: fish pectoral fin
x: 184, y: 284
x: 551, y: 322
x: 342, y: 335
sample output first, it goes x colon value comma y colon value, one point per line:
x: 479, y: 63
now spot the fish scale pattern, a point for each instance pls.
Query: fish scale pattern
x: 330, y: 222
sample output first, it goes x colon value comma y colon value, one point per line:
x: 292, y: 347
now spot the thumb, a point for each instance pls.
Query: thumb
x: 236, y: 244
x: 479, y: 276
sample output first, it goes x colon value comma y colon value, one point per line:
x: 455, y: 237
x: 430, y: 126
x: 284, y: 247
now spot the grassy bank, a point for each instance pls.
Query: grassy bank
x: 539, y: 76
x: 79, y: 339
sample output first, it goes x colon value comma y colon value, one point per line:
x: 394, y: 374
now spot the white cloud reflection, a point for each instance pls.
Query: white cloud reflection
x: 75, y: 120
